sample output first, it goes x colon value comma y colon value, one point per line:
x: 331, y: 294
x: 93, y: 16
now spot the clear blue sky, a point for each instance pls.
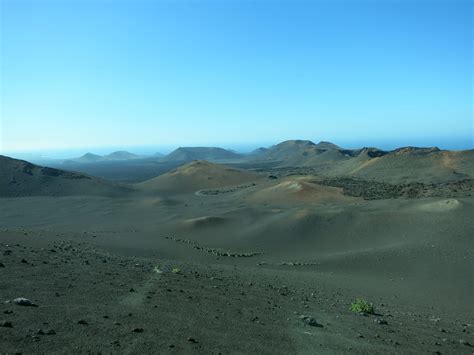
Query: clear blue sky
x: 99, y: 73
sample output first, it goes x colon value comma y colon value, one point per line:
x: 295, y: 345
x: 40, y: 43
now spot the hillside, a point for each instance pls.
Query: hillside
x: 88, y: 158
x: 19, y: 178
x: 196, y: 176
x: 410, y: 164
x: 296, y: 153
x: 121, y: 155
x: 95, y: 158
x: 186, y: 154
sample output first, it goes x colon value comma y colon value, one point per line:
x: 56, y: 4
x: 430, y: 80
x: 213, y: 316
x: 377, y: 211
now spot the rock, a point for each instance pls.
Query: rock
x: 8, y: 311
x: 137, y: 330
x: 50, y: 332
x: 311, y: 321
x: 380, y: 321
x: 82, y: 321
x: 24, y: 261
x: 21, y: 301
x: 2, y: 265
x: 192, y: 340
x: 464, y: 342
x: 6, y: 324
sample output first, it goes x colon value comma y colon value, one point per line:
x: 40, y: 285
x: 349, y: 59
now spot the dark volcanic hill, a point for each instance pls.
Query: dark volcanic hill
x: 88, y: 158
x: 19, y: 178
x: 302, y: 153
x: 187, y: 154
x: 259, y: 151
x: 327, y: 145
x: 115, y: 156
x: 427, y: 164
x: 121, y: 155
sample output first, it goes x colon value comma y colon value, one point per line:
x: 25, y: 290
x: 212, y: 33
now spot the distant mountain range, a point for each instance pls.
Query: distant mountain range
x: 406, y: 163
x: 115, y: 156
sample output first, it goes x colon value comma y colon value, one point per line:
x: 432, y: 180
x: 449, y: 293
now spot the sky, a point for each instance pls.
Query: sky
x: 97, y: 74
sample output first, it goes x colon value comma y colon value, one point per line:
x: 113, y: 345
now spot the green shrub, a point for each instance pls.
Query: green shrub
x: 361, y: 305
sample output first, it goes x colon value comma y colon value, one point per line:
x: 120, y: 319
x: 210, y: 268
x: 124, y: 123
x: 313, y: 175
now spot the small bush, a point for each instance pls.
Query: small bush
x: 360, y: 305
x: 176, y: 271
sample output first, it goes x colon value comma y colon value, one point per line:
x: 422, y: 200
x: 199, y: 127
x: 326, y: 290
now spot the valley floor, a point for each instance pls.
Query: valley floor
x: 130, y: 291
x: 209, y: 259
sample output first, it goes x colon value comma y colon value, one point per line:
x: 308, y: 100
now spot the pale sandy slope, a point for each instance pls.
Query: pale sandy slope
x: 196, y: 176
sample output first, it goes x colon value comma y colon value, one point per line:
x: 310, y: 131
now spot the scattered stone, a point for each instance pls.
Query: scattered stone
x: 8, y: 311
x: 24, y: 261
x: 380, y: 321
x: 82, y: 321
x: 6, y: 324
x: 311, y: 321
x: 21, y: 301
x: 50, y: 332
x: 2, y: 265
x: 137, y: 330
x: 192, y: 340
x: 40, y: 332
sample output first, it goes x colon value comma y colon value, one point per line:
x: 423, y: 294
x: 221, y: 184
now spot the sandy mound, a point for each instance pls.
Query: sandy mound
x: 20, y: 178
x: 196, y: 176
x: 441, y: 206
x: 298, y: 190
